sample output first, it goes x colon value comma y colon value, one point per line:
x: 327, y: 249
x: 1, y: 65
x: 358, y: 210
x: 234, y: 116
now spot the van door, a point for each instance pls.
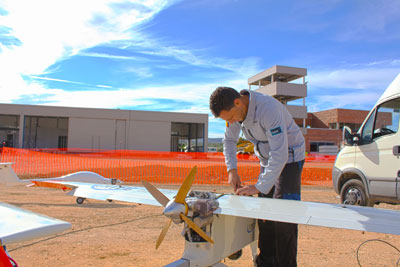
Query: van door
x: 375, y: 154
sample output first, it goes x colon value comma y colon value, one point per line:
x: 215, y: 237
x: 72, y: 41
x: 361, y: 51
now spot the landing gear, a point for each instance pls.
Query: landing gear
x: 80, y: 200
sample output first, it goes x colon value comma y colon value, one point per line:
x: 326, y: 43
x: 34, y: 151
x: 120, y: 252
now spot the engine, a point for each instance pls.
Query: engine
x: 201, y: 208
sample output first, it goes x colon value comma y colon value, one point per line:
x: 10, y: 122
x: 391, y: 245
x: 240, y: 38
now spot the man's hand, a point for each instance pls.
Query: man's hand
x: 234, y: 179
x: 248, y: 190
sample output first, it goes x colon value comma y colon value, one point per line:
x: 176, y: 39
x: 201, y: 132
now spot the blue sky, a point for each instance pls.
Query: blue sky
x: 170, y: 55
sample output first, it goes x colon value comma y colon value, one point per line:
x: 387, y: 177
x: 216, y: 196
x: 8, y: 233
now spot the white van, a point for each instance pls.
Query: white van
x: 367, y: 169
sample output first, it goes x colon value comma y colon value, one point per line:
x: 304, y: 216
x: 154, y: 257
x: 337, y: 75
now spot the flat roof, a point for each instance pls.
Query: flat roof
x: 281, y: 73
x: 57, y: 111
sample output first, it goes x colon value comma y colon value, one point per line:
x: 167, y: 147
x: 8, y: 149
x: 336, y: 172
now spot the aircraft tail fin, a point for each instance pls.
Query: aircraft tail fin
x: 7, y: 174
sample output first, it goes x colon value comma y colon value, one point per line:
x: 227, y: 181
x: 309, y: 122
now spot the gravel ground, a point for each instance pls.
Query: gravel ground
x: 124, y: 234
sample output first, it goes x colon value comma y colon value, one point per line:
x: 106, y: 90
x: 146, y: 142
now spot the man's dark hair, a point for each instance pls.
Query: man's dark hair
x: 222, y: 99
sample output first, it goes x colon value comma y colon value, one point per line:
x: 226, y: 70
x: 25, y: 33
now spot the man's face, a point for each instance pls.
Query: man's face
x: 236, y: 113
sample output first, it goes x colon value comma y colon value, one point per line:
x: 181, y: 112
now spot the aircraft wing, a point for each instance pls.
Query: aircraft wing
x: 312, y: 213
x: 134, y: 194
x: 291, y: 211
x: 17, y: 225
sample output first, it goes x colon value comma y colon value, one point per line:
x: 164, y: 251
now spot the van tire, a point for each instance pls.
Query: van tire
x: 353, y: 193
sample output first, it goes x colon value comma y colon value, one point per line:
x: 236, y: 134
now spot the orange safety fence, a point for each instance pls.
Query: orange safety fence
x: 133, y: 166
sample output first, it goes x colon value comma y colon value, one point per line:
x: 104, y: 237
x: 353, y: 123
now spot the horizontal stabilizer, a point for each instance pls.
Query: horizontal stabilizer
x: 51, y: 185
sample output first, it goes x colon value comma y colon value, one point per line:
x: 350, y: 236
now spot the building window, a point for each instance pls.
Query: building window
x: 9, y: 130
x: 62, y: 141
x: 187, y: 137
x: 44, y: 132
x: 314, y: 146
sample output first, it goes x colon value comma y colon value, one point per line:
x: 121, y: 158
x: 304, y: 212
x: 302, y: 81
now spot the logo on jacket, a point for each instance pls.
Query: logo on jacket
x: 276, y: 131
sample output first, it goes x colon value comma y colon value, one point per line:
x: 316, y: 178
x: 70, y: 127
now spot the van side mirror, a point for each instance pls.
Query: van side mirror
x: 349, y: 138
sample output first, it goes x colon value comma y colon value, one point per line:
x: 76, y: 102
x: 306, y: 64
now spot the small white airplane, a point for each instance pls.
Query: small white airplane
x: 217, y: 226
x: 18, y: 225
x: 9, y: 177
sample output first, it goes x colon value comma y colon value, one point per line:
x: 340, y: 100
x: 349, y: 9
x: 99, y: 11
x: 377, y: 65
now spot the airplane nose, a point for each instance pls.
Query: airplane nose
x: 173, y: 210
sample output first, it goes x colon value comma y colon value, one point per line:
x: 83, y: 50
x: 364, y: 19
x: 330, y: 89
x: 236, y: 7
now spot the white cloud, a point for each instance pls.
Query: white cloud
x: 363, y: 100
x: 372, y: 20
x: 149, y: 45
x: 56, y: 80
x: 50, y: 31
x: 244, y: 66
x: 335, y: 88
x: 345, y: 20
x: 141, y: 72
x: 197, y: 94
x: 100, y: 55
x: 362, y: 78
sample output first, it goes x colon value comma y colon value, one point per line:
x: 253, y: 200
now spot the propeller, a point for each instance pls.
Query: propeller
x: 176, y: 208
x: 160, y: 197
x: 163, y: 233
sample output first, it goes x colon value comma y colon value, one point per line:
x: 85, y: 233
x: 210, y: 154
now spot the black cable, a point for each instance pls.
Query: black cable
x: 80, y: 230
x: 376, y: 240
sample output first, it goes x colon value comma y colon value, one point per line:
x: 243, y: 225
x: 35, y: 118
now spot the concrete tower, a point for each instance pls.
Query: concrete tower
x: 285, y: 84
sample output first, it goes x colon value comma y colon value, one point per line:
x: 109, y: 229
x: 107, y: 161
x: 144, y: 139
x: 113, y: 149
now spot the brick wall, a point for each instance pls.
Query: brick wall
x: 351, y: 115
x: 322, y: 135
x: 319, y: 124
x: 338, y: 115
x: 323, y: 118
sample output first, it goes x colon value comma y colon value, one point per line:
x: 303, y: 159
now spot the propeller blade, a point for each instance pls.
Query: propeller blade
x: 163, y: 233
x: 196, y: 228
x: 185, y: 187
x: 160, y: 197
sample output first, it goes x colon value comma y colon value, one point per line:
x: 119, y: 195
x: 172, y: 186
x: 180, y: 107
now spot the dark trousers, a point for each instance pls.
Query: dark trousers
x: 278, y: 241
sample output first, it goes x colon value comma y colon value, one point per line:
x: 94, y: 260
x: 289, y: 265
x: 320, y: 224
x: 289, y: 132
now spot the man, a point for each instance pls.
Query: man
x: 279, y: 145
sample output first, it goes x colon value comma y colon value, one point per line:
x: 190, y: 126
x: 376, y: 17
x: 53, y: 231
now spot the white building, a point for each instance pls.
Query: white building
x: 31, y: 126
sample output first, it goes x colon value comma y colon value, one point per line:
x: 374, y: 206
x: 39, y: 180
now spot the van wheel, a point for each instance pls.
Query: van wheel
x: 353, y: 193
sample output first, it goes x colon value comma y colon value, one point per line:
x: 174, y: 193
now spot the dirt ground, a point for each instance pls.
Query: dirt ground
x: 124, y: 234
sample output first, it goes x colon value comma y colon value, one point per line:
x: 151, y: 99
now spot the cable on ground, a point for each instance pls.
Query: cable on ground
x: 376, y: 240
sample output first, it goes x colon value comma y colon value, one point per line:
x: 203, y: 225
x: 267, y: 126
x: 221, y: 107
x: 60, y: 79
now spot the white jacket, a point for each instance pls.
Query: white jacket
x: 276, y: 137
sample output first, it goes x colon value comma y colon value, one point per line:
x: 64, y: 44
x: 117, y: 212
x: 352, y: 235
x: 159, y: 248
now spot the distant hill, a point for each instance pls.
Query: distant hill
x: 215, y: 140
